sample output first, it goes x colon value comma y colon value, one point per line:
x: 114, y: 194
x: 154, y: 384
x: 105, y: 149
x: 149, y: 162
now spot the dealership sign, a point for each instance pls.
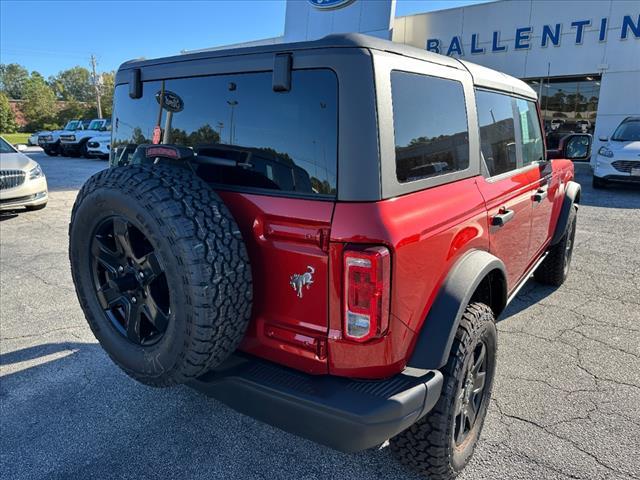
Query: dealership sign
x: 550, y: 35
x: 329, y: 4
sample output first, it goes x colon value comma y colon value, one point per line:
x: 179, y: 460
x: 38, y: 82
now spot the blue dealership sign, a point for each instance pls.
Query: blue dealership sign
x: 550, y: 34
x: 329, y: 4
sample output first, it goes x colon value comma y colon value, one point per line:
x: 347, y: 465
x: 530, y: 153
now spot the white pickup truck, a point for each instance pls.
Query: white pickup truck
x: 74, y: 144
x: 50, y: 140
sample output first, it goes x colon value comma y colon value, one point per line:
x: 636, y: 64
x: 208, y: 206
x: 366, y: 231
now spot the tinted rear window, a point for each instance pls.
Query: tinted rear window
x: 430, y: 126
x: 289, y: 139
x: 496, y: 119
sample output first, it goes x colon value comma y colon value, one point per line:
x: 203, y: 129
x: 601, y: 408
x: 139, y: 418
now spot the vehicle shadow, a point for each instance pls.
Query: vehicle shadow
x: 4, y: 216
x: 71, y: 413
x: 530, y: 294
x: 35, y: 352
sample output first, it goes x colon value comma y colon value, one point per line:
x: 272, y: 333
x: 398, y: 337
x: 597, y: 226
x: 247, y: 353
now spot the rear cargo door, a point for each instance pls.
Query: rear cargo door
x: 287, y: 241
x: 270, y: 149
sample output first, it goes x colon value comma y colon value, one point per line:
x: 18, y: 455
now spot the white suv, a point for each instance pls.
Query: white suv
x: 99, y: 146
x: 618, y: 160
x: 74, y: 144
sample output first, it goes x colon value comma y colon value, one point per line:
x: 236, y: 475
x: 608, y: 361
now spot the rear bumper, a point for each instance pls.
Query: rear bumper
x: 348, y: 415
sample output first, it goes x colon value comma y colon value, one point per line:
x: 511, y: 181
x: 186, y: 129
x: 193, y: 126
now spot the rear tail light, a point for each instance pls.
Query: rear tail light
x: 367, y: 276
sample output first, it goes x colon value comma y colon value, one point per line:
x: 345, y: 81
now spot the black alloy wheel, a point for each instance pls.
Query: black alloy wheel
x: 130, y: 282
x: 441, y: 443
x: 161, y: 271
x: 470, y: 395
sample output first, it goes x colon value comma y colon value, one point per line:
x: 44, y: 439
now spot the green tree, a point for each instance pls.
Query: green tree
x: 39, y: 105
x: 7, y: 118
x: 179, y: 137
x: 283, y: 156
x: 203, y: 135
x: 74, y: 83
x: 13, y: 78
x: 138, y: 137
x: 73, y: 109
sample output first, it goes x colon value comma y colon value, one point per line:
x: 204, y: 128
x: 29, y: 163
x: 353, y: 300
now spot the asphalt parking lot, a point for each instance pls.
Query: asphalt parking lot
x: 565, y: 403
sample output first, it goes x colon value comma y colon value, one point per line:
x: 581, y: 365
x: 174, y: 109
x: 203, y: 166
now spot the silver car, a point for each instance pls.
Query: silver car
x: 22, y: 181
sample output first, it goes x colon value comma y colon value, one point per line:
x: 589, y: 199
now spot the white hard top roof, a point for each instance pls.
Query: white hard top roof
x: 485, y: 77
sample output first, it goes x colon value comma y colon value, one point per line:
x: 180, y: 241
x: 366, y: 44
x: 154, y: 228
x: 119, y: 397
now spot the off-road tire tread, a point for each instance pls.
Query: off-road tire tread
x: 208, y: 245
x: 425, y: 447
x: 551, y: 270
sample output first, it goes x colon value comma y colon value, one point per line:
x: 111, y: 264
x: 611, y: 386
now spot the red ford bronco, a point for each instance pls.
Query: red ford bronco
x: 322, y: 234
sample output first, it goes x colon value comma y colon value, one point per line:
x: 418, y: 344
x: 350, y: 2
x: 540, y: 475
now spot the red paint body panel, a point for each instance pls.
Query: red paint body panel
x: 283, y: 236
x: 420, y: 229
x: 510, y: 242
x: 426, y: 233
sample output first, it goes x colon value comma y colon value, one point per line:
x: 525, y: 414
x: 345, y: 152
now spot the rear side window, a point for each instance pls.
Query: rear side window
x: 285, y: 141
x: 430, y: 126
x: 532, y: 148
x: 497, y: 131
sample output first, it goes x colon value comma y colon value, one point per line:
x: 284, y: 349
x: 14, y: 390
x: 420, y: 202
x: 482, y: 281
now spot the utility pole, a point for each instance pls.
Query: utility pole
x: 96, y: 85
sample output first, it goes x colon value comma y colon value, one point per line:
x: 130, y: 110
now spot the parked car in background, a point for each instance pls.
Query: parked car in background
x: 50, y: 140
x: 74, y: 144
x: 22, y: 181
x: 618, y: 160
x: 33, y: 139
x: 583, y: 125
x: 99, y: 146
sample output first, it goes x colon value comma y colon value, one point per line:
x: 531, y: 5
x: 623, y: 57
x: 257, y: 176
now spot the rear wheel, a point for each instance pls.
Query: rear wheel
x: 52, y: 151
x: 555, y: 268
x: 441, y: 444
x: 161, y: 272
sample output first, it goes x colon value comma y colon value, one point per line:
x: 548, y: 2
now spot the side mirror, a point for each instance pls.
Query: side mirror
x: 21, y: 147
x: 577, y: 146
x: 604, y: 139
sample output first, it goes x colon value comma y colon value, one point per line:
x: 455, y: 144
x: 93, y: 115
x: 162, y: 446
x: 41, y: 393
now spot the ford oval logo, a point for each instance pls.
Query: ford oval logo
x: 329, y: 4
x: 171, y: 102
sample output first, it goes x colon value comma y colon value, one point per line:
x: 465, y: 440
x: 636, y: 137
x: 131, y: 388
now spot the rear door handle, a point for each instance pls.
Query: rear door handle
x: 540, y: 195
x: 503, y: 216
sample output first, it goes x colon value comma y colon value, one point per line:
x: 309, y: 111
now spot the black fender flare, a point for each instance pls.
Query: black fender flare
x: 439, y: 329
x: 571, y: 197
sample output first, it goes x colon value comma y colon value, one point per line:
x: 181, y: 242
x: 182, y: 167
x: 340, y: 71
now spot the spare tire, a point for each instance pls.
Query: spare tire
x: 160, y: 270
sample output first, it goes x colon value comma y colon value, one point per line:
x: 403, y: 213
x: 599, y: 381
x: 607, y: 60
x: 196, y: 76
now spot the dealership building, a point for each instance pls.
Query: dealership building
x: 583, y: 58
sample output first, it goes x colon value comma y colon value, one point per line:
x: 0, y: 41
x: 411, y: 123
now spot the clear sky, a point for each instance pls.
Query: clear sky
x: 49, y: 36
